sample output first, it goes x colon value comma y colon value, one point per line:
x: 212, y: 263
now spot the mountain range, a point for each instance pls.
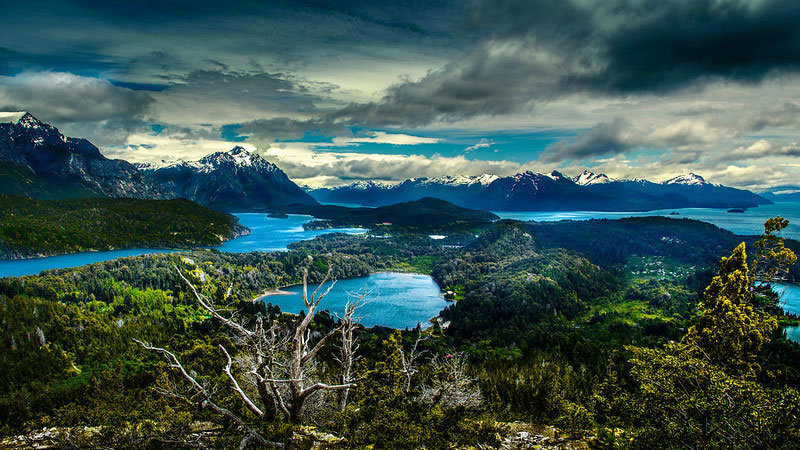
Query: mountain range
x: 554, y: 191
x: 37, y: 161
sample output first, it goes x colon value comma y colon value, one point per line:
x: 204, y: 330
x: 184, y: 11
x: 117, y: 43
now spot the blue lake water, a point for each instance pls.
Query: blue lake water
x: 398, y: 300
x: 268, y: 234
x: 790, y: 302
x: 749, y: 222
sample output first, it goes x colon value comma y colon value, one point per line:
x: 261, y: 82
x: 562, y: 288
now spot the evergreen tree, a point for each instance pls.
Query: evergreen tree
x: 729, y: 331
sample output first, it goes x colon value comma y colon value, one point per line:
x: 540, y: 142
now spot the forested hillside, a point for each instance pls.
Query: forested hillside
x: 427, y: 215
x: 592, y: 342
x: 31, y: 227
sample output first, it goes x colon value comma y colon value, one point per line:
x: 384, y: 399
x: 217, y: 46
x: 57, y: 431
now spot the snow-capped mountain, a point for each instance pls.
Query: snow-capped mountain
x: 524, y: 191
x: 37, y: 160
x: 586, y: 178
x: 531, y: 191
x: 461, y: 180
x: 232, y: 180
x: 690, y: 179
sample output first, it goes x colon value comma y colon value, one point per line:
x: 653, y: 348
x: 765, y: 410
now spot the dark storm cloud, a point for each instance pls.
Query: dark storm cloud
x: 233, y: 97
x: 284, y: 128
x: 410, y: 15
x: 65, y: 97
x: 603, y: 139
x: 526, y: 53
x: 512, y: 54
x: 785, y: 114
x: 559, y: 23
x: 111, y: 33
x: 487, y: 83
x: 81, y: 62
x: 675, y: 43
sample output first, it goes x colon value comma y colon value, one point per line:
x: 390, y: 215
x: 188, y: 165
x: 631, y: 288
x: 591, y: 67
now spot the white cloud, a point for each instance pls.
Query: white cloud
x: 763, y: 148
x: 684, y: 132
x: 305, y: 166
x: 483, y: 143
x: 381, y: 137
x: 142, y: 147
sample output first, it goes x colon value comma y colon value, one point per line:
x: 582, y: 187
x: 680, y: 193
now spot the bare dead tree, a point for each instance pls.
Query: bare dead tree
x: 201, y: 395
x: 302, y: 353
x: 348, y: 346
x: 451, y: 385
x: 410, y: 360
x: 277, y: 362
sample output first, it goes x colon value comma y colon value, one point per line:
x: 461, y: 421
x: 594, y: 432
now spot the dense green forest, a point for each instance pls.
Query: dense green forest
x: 30, y: 227
x: 427, y: 215
x: 619, y: 334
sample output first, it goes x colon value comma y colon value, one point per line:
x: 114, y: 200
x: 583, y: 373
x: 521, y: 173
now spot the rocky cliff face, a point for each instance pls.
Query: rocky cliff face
x: 37, y: 160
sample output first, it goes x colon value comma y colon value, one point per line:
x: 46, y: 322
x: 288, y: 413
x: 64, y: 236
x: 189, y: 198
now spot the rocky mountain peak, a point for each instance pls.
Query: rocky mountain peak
x: 689, y: 179
x: 586, y: 178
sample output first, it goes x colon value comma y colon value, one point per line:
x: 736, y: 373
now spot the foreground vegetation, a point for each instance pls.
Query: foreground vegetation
x: 30, y: 227
x: 584, y: 334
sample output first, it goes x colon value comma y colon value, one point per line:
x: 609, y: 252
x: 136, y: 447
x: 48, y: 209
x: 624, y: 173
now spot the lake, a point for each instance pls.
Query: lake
x: 267, y: 234
x: 790, y: 302
x: 748, y: 222
x: 398, y: 300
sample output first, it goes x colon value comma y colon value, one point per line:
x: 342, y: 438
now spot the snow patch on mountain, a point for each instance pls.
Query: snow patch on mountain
x: 463, y: 180
x: 691, y: 179
x: 237, y: 156
x: 587, y: 178
x: 370, y: 184
x: 11, y: 117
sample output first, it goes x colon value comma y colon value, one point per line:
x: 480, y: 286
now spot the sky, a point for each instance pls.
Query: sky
x: 335, y: 92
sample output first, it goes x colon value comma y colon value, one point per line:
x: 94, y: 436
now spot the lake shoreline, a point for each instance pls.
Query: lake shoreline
x: 397, y: 299
x: 279, y: 291
x: 272, y: 293
x: 270, y: 234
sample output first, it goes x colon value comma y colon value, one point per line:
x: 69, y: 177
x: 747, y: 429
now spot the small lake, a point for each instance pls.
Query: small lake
x: 790, y: 302
x: 748, y: 222
x: 398, y: 300
x: 267, y: 234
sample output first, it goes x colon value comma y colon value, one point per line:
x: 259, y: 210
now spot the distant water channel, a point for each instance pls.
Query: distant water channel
x: 267, y: 234
x: 397, y: 300
x: 748, y: 222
